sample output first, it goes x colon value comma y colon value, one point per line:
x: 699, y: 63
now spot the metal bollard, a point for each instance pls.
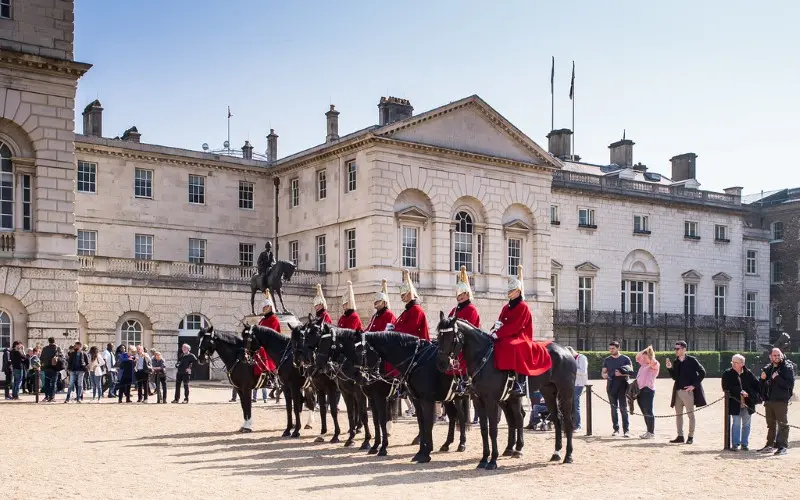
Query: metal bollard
x: 588, y: 409
x: 36, y: 385
x: 727, y: 420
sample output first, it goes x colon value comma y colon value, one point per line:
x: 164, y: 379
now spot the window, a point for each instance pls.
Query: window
x: 777, y: 231
x: 751, y: 263
x: 638, y: 298
x: 719, y: 300
x: 143, y: 247
x: 6, y: 188
x: 143, y: 183
x: 584, y: 298
x: 5, y: 11
x: 322, y: 256
x: 87, y: 177
x: 294, y: 252
x: 294, y: 185
x: 641, y: 224
x: 5, y: 330
x: 197, y: 189
x: 514, y: 255
x: 554, y: 215
x: 409, y: 247
x: 87, y: 242
x: 586, y: 217
x: 462, y: 244
x: 750, y: 305
x: 131, y: 333
x: 322, y: 185
x: 480, y: 253
x: 690, y: 229
x: 776, y: 272
x: 554, y: 290
x: 689, y: 299
x: 246, y: 195
x: 193, y: 322
x: 197, y: 251
x: 351, y: 175
x: 350, y: 238
x: 27, y: 207
x: 721, y: 233
x: 246, y: 251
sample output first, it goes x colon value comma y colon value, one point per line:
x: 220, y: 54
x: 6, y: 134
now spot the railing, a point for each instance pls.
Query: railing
x: 7, y: 242
x: 564, y: 317
x: 564, y: 178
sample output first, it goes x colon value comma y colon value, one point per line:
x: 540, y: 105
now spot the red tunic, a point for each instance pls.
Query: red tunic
x: 378, y: 322
x: 471, y: 316
x: 514, y: 348
x: 326, y: 318
x: 413, y: 322
x: 263, y: 361
x: 351, y: 321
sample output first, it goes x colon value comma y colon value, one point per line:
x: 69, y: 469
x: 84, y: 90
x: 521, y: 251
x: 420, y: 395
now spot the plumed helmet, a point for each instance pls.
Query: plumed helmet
x: 406, y: 286
x: 319, y: 299
x: 349, y: 297
x: 267, y: 301
x: 383, y: 294
x: 516, y: 283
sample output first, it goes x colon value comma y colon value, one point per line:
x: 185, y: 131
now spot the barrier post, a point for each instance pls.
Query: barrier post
x: 36, y: 384
x: 588, y: 409
x: 727, y: 420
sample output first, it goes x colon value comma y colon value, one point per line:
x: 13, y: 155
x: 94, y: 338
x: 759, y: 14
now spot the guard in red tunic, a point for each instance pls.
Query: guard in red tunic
x: 350, y: 317
x: 513, y: 331
x: 263, y: 362
x: 412, y: 320
x: 321, y: 306
x: 465, y: 310
x: 383, y: 317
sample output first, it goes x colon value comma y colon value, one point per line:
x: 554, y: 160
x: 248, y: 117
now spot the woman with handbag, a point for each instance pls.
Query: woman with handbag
x: 97, y: 367
x: 143, y: 368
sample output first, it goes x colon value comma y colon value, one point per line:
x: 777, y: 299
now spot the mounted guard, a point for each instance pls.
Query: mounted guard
x: 383, y: 316
x: 412, y: 320
x: 465, y: 310
x: 321, y: 306
x: 350, y: 318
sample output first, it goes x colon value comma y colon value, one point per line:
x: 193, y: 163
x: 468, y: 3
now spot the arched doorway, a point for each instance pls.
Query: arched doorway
x: 188, y: 329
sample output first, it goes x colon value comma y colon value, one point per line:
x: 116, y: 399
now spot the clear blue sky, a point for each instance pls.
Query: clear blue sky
x: 717, y: 78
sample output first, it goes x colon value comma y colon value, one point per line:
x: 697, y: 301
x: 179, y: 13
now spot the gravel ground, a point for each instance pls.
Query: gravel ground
x: 112, y: 450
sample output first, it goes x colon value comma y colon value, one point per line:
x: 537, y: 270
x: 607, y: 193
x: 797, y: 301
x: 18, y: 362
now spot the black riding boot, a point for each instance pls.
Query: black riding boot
x: 519, y: 386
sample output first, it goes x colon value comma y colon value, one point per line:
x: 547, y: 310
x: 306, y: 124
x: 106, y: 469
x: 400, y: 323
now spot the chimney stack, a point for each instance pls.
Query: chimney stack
x: 247, y: 151
x: 735, y: 191
x: 559, y: 143
x: 132, y: 135
x: 393, y: 109
x: 272, y: 146
x: 93, y: 119
x: 622, y: 152
x: 333, y: 125
x: 683, y: 167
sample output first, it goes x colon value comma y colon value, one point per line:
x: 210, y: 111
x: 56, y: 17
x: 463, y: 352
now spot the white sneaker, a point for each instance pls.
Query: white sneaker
x: 626, y: 434
x: 647, y: 435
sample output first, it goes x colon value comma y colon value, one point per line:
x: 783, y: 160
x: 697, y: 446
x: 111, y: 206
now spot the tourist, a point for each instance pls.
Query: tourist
x: 777, y: 385
x: 687, y: 391
x: 743, y: 392
x: 7, y: 372
x: 646, y: 382
x: 350, y: 318
x: 35, y: 370
x: 143, y: 370
x: 321, y: 307
x: 97, y: 366
x: 616, y: 369
x: 185, y: 362
x: 124, y: 376
x: 111, y: 370
x: 159, y: 377
x: 77, y: 366
x: 18, y: 367
x: 49, y: 358
x: 581, y: 379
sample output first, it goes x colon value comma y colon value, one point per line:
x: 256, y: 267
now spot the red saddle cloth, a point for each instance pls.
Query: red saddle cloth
x: 263, y: 363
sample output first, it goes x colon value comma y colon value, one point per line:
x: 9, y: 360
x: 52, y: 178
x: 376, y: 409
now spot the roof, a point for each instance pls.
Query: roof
x: 593, y: 169
x: 762, y: 196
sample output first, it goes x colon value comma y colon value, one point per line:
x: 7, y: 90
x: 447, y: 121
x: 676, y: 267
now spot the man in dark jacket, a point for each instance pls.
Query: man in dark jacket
x: 78, y: 366
x: 185, y: 361
x: 18, y: 366
x: 743, y: 391
x: 49, y: 352
x: 777, y: 384
x: 7, y: 371
x: 687, y: 391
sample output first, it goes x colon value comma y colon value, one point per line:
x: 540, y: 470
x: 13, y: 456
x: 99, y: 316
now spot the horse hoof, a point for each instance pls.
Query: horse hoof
x: 382, y: 453
x: 491, y: 465
x: 373, y: 451
x: 415, y: 458
x: 364, y: 446
x: 295, y: 434
x: 349, y: 443
x: 482, y: 464
x: 307, y: 427
x: 320, y: 439
x: 508, y: 452
x: 555, y: 458
x: 415, y: 442
x: 287, y: 433
x: 335, y: 439
x: 245, y: 430
x: 424, y: 459
x: 568, y: 459
x: 445, y: 447
x: 462, y: 447
x: 516, y: 454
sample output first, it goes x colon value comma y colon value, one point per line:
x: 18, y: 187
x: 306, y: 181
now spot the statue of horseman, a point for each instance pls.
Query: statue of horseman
x: 265, y: 262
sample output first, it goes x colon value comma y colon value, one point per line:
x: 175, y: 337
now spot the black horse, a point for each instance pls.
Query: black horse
x: 305, y: 340
x: 281, y: 271
x: 279, y: 350
x: 487, y: 384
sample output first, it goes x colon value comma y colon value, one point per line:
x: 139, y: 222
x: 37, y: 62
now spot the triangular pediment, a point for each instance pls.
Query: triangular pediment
x: 556, y: 265
x: 721, y: 277
x: 470, y: 125
x: 412, y: 213
x: 516, y: 225
x: 587, y: 267
x: 691, y: 275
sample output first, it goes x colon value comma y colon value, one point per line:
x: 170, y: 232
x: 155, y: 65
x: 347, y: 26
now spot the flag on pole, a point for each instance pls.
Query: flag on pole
x: 229, y: 112
x: 552, y: 74
x: 572, y: 82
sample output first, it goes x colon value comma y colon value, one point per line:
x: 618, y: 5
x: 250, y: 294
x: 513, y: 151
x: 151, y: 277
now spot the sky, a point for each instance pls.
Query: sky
x: 716, y: 78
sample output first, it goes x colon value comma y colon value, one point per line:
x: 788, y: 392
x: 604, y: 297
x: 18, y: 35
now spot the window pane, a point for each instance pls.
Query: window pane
x: 246, y: 195
x: 87, y: 242
x: 514, y: 256
x: 131, y: 333
x: 322, y: 185
x: 197, y: 189
x: 350, y: 236
x: 409, y: 247
x: 351, y: 176
x: 322, y: 258
x: 143, y: 183
x: 143, y: 247
x: 246, y: 251
x: 197, y: 251
x: 87, y: 177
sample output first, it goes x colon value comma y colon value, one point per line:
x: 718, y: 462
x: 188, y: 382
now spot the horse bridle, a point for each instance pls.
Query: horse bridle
x: 457, y: 344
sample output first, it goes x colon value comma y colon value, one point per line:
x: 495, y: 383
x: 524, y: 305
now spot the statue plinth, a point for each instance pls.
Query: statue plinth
x: 286, y: 321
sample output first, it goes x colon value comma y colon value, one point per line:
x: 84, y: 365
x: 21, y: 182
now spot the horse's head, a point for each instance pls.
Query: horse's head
x: 205, y: 344
x: 451, y: 342
x: 288, y: 270
x: 303, y: 341
x: 325, y: 337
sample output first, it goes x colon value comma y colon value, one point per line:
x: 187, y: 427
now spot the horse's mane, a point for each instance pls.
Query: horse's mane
x: 269, y: 332
x: 227, y: 337
x: 404, y: 339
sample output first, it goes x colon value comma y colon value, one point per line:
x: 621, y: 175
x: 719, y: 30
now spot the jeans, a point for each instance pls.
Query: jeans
x: 263, y: 394
x: 19, y: 379
x: 49, y: 384
x: 740, y: 434
x: 97, y: 386
x: 76, y: 381
x: 161, y: 388
x: 142, y: 385
x: 646, y: 397
x: 182, y: 378
x: 576, y: 406
x: 7, y: 384
x: 619, y: 402
x: 112, y: 383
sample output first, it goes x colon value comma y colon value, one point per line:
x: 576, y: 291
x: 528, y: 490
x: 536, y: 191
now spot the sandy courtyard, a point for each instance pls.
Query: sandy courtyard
x: 192, y: 451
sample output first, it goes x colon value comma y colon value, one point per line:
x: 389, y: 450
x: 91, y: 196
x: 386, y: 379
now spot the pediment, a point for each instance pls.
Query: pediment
x: 472, y: 126
x: 517, y: 225
x: 556, y: 265
x: 691, y: 276
x: 721, y: 277
x: 413, y: 214
x: 587, y: 267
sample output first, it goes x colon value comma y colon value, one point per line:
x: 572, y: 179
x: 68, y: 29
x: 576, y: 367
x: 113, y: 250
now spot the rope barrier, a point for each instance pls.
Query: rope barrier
x: 601, y: 398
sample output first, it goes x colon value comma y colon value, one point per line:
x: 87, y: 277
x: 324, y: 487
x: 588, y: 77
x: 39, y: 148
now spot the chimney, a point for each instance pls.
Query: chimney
x: 333, y: 125
x: 247, y: 151
x: 622, y: 152
x: 735, y: 191
x: 392, y: 109
x: 683, y: 167
x: 559, y: 143
x: 272, y: 146
x: 132, y: 135
x: 640, y: 168
x: 93, y: 119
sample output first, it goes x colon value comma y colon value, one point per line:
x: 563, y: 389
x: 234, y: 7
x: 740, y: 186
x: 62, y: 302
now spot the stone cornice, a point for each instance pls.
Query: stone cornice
x: 42, y: 64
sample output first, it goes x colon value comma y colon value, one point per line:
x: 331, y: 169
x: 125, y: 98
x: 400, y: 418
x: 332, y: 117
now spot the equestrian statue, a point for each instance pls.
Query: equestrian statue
x: 270, y: 276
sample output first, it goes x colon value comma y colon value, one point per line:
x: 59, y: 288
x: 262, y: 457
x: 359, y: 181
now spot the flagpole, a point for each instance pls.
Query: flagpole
x: 572, y: 153
x: 229, y: 127
x: 552, y: 95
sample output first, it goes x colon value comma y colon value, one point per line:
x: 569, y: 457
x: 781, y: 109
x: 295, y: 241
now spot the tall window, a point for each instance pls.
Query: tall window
x: 322, y: 185
x: 750, y: 305
x: 554, y: 215
x: 245, y: 195
x: 350, y: 238
x: 6, y: 188
x: 689, y: 299
x: 294, y: 252
x: 143, y: 183
x: 5, y: 9
x: 294, y: 186
x: 514, y: 255
x: 351, y: 175
x: 197, y: 189
x: 462, y: 245
x: 638, y: 298
x: 5, y: 330
x: 87, y: 177
x: 641, y: 224
x: 776, y: 272
x: 27, y: 207
x: 586, y: 217
x: 197, y: 251
x: 584, y: 298
x: 721, y: 233
x: 752, y: 262
x: 143, y: 247
x: 690, y: 229
x: 409, y: 247
x: 246, y: 251
x: 131, y: 333
x: 777, y: 231
x: 193, y: 322
x: 554, y: 289
x: 322, y: 254
x: 719, y: 300
x: 87, y: 242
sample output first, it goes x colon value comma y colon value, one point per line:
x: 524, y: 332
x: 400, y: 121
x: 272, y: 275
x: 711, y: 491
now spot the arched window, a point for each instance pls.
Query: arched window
x: 462, y: 243
x: 6, y: 330
x: 192, y: 323
x: 131, y: 333
x: 6, y: 188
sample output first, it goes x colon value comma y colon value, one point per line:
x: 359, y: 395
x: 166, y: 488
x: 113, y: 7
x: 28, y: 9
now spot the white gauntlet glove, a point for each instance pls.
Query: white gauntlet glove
x: 390, y: 327
x: 497, y: 325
